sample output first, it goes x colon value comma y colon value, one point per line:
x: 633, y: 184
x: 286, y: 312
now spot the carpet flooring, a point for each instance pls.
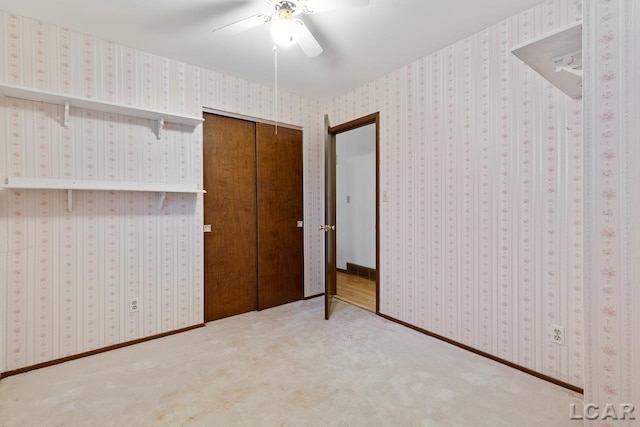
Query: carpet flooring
x: 286, y: 366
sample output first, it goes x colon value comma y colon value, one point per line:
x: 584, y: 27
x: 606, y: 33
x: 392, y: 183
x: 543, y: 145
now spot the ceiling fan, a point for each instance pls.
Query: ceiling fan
x: 287, y: 30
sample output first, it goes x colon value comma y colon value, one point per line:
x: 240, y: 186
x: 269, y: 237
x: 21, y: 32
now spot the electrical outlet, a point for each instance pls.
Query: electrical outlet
x: 133, y: 305
x: 556, y: 334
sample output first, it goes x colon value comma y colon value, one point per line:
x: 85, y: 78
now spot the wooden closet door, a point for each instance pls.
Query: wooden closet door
x: 279, y: 194
x: 230, y: 207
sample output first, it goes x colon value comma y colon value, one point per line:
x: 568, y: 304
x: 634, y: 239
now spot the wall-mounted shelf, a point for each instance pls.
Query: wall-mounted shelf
x: 72, y: 184
x: 556, y: 56
x: 160, y: 117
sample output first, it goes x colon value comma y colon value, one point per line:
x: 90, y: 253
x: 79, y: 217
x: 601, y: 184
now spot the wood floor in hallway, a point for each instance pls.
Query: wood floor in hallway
x: 356, y: 290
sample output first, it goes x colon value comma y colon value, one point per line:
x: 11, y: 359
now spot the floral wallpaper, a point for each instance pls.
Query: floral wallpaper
x: 482, y: 181
x: 612, y: 108
x: 66, y: 277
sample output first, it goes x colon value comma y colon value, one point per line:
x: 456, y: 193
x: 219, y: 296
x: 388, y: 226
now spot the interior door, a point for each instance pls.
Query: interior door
x: 230, y: 270
x: 280, y: 232
x: 330, y: 218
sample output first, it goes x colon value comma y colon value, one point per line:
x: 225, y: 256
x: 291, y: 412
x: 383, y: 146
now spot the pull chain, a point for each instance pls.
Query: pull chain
x: 275, y: 55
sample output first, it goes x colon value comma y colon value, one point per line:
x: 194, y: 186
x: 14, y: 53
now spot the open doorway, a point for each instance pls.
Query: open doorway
x: 356, y: 216
x: 351, y: 213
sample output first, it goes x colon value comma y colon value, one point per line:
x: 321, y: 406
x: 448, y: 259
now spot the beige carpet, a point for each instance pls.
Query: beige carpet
x: 286, y: 367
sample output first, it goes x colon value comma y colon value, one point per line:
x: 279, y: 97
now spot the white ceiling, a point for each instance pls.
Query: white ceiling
x: 360, y: 44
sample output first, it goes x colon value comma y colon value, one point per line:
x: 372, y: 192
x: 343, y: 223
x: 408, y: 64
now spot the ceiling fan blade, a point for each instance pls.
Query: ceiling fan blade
x: 314, y: 6
x: 307, y: 42
x: 243, y: 25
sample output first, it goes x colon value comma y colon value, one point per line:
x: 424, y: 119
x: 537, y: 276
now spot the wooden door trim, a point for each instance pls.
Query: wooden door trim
x: 373, y: 118
x: 354, y: 124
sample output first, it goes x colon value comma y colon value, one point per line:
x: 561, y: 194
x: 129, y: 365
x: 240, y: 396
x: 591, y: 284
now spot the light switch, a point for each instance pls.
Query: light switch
x: 300, y: 224
x: 207, y: 228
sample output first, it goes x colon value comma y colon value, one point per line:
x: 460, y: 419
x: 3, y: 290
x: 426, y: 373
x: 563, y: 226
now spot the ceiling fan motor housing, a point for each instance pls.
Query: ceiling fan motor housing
x: 289, y: 7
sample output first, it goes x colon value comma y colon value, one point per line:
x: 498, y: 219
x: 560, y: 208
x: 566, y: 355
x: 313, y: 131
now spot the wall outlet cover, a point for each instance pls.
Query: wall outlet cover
x: 133, y: 305
x: 556, y: 334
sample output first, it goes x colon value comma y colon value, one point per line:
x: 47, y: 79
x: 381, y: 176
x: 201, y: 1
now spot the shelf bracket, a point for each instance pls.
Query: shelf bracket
x: 161, y: 196
x: 65, y: 122
x: 159, y: 128
x: 69, y: 200
x: 571, y: 63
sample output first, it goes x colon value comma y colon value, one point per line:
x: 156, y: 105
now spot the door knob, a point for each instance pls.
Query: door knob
x: 327, y: 227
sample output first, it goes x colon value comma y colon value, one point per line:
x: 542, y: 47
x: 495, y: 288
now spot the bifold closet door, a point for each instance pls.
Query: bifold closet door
x: 279, y: 196
x: 230, y: 208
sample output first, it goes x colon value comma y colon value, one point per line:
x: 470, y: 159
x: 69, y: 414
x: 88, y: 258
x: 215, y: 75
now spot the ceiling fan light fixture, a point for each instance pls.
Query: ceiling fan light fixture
x: 285, y: 30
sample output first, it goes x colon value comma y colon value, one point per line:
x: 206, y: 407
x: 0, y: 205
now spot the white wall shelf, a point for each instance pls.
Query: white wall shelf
x: 556, y: 56
x: 160, y: 117
x: 72, y: 184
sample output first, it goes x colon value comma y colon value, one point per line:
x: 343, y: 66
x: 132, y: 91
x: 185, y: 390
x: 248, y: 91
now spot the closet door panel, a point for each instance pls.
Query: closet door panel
x: 279, y: 205
x: 230, y: 208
